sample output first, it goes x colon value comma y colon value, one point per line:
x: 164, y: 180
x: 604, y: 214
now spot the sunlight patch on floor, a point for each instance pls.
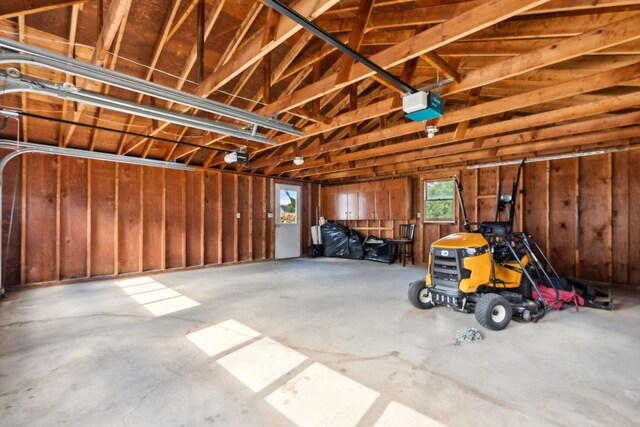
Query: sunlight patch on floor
x: 397, y: 414
x: 219, y: 338
x: 171, y: 305
x: 261, y: 363
x: 146, y: 287
x: 154, y: 296
x: 135, y: 281
x: 319, y: 396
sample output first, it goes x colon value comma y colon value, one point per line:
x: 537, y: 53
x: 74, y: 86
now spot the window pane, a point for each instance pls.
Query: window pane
x: 440, y: 209
x: 288, y: 207
x: 440, y: 190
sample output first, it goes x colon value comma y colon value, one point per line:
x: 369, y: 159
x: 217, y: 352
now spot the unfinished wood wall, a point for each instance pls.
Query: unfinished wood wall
x: 74, y: 218
x: 584, y: 212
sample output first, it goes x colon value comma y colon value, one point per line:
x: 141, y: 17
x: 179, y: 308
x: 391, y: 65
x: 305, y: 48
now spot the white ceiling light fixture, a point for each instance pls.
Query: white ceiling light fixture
x: 431, y: 131
x: 239, y: 156
x: 298, y: 161
x: 231, y: 157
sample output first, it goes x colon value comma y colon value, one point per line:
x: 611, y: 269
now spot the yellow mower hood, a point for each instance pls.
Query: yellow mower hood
x: 461, y: 240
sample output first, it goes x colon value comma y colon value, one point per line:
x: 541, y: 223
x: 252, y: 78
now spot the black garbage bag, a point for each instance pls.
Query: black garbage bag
x: 381, y: 250
x: 314, y: 251
x: 335, y: 239
x: 341, y: 241
x: 356, y: 249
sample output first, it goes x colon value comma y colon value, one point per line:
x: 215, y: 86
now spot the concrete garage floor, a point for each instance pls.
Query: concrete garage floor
x: 303, y: 342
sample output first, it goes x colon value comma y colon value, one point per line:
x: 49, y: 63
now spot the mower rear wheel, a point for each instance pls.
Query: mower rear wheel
x: 419, y: 295
x: 493, y: 311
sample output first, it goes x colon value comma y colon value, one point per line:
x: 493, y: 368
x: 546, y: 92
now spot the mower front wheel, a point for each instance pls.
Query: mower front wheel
x: 419, y: 295
x: 493, y: 311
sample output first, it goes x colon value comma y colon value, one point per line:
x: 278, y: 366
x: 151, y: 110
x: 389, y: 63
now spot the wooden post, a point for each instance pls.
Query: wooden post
x: 577, y: 219
x: 57, y: 243
x: 250, y: 214
x: 115, y: 222
x: 163, y: 232
x: 264, y: 220
x: 88, y: 250
x: 610, y: 211
x: 548, y: 207
x: 183, y: 181
x: 141, y: 232
x: 23, y: 225
x: 202, y: 215
x: 219, y: 216
x: 236, y: 242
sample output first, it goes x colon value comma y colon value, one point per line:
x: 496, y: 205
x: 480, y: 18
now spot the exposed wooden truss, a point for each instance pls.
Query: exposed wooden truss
x: 530, y: 77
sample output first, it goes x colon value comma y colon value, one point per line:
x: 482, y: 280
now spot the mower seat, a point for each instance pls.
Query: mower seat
x: 495, y: 229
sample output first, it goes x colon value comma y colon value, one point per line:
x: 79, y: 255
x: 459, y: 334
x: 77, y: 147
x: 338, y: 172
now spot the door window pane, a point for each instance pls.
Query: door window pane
x: 288, y: 210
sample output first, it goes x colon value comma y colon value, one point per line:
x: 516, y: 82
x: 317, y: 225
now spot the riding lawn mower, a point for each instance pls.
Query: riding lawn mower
x: 489, y: 269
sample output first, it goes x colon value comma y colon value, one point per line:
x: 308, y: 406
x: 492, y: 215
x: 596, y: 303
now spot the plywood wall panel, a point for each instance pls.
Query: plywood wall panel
x: 244, y: 225
x: 229, y: 220
x: 563, y: 209
x: 259, y: 214
x: 621, y: 208
x: 129, y: 218
x: 469, y: 194
x: 103, y: 194
x: 487, y: 181
x: 11, y: 216
x: 305, y: 217
x: 40, y: 264
x: 175, y: 219
x: 535, y: 202
x: 634, y: 217
x: 594, y: 218
x: 153, y: 219
x: 487, y: 189
x: 212, y: 201
x: 117, y: 219
x: 73, y: 218
x: 193, y: 202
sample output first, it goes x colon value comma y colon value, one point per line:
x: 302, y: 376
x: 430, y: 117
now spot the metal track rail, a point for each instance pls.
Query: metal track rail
x: 40, y: 57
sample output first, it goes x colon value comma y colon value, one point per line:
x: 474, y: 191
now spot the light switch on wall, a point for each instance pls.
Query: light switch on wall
x: 269, y: 214
x: 418, y: 215
x: 238, y: 215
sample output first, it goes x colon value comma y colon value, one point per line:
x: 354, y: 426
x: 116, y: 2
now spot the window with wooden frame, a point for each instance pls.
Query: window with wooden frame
x: 440, y: 201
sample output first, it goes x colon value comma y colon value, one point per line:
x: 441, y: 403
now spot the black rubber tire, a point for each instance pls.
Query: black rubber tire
x: 417, y: 295
x: 493, y: 311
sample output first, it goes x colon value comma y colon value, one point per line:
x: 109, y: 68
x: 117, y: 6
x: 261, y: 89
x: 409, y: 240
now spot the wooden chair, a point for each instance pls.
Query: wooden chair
x: 404, y: 242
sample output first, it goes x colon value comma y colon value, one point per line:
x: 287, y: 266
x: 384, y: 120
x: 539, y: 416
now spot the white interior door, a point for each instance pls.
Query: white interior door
x: 287, y: 211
